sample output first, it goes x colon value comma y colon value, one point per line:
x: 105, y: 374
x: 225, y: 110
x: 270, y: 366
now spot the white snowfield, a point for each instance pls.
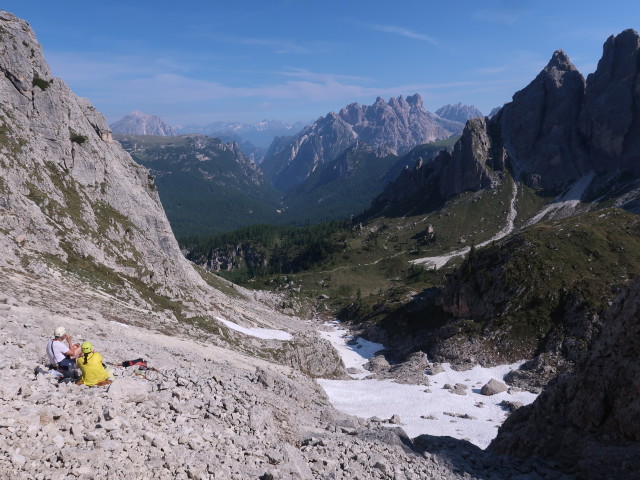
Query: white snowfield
x: 264, y: 333
x: 429, y: 410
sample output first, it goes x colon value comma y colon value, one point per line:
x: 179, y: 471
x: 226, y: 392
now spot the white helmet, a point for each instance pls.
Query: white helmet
x: 59, y: 332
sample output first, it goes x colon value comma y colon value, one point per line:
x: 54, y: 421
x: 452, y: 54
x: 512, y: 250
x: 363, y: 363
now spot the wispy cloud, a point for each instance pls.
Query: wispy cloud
x: 317, y: 77
x: 120, y: 84
x: 401, y: 31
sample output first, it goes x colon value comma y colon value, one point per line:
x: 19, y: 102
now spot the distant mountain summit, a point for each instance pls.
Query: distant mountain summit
x: 398, y: 125
x: 260, y: 134
x: 459, y: 112
x: 138, y: 123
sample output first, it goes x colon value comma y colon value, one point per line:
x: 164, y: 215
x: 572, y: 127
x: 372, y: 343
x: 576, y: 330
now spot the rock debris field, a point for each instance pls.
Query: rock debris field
x: 202, y: 412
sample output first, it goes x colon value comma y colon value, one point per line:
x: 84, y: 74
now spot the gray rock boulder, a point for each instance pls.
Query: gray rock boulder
x: 493, y: 387
x: 129, y: 390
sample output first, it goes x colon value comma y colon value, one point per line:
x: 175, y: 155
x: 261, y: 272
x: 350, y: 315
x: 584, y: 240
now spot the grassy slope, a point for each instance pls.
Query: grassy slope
x: 370, y: 262
x: 545, y: 288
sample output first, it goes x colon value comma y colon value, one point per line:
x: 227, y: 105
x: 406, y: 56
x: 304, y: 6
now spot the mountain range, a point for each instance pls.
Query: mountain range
x: 396, y: 127
x: 85, y: 242
x: 206, y: 186
x: 260, y: 134
x: 556, y: 130
x: 459, y: 112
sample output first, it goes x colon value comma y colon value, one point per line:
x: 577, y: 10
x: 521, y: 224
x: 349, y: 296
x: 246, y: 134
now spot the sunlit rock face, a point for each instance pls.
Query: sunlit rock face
x: 66, y: 189
x: 396, y: 126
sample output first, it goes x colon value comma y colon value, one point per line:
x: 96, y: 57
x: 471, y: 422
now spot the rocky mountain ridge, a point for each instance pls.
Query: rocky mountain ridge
x: 84, y: 242
x: 73, y: 204
x: 555, y: 131
x: 399, y: 125
x: 138, y: 123
x: 459, y: 112
x: 65, y: 179
x: 196, y: 175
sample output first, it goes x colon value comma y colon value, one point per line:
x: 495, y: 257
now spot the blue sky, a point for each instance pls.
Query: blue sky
x: 248, y: 60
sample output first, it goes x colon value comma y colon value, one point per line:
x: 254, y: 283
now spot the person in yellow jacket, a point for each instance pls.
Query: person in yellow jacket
x: 93, y: 371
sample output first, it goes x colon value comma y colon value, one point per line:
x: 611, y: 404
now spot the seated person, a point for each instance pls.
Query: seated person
x: 93, y: 371
x: 62, y: 353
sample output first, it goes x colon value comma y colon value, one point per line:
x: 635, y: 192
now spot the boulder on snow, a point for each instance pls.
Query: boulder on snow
x: 492, y: 387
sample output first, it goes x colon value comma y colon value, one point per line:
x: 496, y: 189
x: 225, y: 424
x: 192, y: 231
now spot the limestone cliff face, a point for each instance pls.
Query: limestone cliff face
x: 610, y: 115
x: 591, y: 420
x: 398, y: 125
x: 67, y: 190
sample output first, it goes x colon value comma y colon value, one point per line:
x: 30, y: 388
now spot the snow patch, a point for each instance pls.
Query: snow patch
x: 355, y: 352
x: 264, y: 333
x: 431, y: 410
x: 124, y: 325
x: 566, y: 204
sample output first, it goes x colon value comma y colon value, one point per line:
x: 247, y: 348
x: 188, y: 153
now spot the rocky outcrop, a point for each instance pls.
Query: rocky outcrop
x: 470, y: 166
x: 539, y: 127
x: 459, y: 112
x: 610, y: 115
x: 400, y: 125
x: 589, y: 421
x: 138, y: 123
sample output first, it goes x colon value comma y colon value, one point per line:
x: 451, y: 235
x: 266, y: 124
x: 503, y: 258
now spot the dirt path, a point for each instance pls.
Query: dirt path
x: 442, y: 260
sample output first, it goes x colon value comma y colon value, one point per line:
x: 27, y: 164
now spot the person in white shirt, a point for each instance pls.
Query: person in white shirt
x: 62, y: 352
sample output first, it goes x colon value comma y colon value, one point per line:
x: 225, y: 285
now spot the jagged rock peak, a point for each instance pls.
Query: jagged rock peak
x: 560, y: 60
x: 138, y: 123
x: 415, y: 100
x: 399, y: 125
